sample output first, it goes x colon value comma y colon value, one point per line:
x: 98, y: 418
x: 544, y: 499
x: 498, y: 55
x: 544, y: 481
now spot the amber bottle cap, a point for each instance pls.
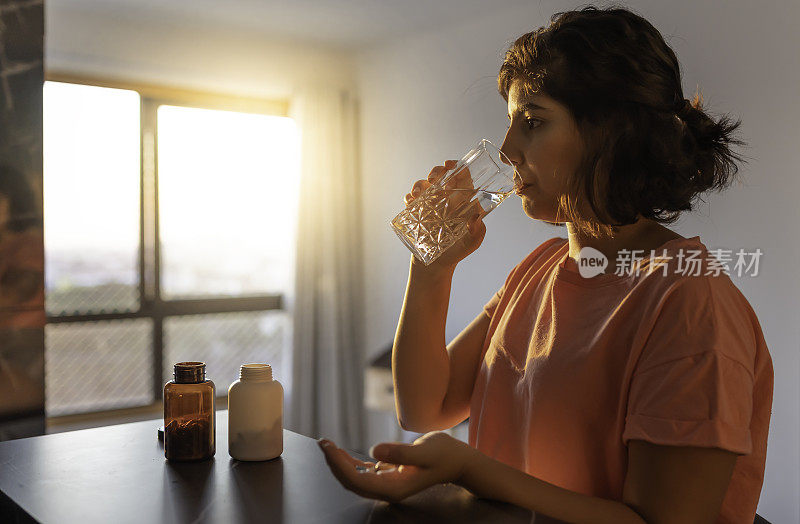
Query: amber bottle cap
x: 189, y: 372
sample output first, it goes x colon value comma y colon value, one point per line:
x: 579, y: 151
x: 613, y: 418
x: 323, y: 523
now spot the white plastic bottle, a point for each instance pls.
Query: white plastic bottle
x: 255, y: 414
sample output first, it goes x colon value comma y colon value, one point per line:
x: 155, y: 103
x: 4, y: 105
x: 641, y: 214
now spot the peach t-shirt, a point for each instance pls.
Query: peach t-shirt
x: 573, y: 368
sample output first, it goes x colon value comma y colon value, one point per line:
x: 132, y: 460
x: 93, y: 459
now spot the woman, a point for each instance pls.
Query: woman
x: 642, y: 394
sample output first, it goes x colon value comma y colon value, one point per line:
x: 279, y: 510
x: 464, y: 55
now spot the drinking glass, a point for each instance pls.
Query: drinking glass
x: 439, y: 216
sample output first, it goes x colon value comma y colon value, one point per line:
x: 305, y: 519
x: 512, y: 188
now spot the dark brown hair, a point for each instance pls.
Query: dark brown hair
x: 649, y: 151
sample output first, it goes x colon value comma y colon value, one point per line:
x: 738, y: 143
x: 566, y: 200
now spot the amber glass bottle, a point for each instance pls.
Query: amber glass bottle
x: 189, y: 421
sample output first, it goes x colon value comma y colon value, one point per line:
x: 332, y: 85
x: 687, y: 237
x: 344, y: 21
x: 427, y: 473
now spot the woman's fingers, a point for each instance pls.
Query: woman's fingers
x: 344, y: 466
x: 383, y: 466
x: 368, y: 481
x: 438, y: 171
x: 419, y: 186
x: 462, y: 180
x: 416, y: 190
x: 349, y: 458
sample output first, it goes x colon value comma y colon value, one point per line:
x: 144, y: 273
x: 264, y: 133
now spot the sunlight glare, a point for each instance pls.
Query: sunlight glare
x: 228, y: 187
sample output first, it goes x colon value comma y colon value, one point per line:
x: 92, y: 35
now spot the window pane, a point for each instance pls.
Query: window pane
x: 92, y: 366
x: 227, y: 202
x: 226, y: 341
x: 91, y: 198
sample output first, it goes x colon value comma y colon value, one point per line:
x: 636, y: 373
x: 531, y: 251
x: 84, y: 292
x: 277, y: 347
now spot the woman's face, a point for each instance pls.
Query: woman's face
x: 543, y: 144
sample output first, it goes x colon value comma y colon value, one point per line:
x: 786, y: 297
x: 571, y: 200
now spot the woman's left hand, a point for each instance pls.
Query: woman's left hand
x: 402, y: 469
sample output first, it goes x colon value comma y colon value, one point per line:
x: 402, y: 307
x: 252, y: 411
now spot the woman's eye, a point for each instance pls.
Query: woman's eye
x: 532, y: 123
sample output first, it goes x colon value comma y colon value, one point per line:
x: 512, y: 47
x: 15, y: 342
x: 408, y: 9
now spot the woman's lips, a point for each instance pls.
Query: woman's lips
x: 519, y: 183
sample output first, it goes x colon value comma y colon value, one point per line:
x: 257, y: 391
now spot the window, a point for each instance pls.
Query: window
x: 169, y: 236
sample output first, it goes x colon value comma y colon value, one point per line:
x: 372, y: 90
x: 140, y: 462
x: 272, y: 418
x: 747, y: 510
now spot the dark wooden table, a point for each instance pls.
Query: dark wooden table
x: 118, y: 474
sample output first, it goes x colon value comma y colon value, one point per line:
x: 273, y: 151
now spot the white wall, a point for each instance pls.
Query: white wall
x: 428, y: 98
x: 165, y: 50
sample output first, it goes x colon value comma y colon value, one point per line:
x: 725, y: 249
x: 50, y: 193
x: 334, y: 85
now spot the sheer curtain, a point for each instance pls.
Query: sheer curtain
x: 328, y: 354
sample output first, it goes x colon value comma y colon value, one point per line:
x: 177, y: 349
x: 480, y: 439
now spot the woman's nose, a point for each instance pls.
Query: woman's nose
x: 510, y: 153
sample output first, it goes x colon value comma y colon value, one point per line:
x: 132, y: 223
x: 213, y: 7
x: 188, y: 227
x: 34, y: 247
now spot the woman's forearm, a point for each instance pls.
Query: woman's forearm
x: 420, y: 364
x: 488, y: 478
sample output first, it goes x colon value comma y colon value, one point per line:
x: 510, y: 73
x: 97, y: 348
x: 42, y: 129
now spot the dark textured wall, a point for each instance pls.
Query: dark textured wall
x: 22, y: 315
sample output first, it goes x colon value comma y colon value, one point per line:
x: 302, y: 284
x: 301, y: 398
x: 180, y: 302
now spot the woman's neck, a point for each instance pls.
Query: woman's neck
x: 645, y: 234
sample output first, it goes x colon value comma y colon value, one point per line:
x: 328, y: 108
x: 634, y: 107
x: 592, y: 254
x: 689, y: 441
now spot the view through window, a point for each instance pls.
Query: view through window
x: 159, y: 250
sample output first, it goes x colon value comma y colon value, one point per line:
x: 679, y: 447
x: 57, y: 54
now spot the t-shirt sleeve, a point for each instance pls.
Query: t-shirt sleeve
x: 491, y: 306
x: 693, y: 383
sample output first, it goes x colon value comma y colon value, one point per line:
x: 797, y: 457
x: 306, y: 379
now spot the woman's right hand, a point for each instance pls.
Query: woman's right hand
x: 468, y: 242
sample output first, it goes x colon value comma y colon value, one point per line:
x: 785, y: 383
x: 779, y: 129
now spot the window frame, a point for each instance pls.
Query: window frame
x: 151, y: 304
